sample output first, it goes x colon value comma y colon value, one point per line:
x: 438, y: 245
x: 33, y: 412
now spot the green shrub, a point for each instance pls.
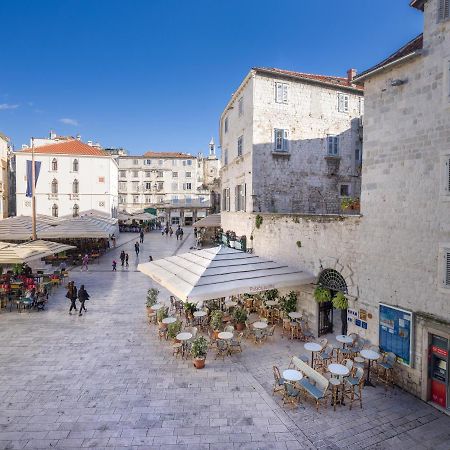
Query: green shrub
x: 240, y: 315
x: 258, y: 221
x: 289, y: 302
x: 162, y: 314
x: 199, y: 347
x: 216, y: 320
x: 173, y: 329
x: 340, y: 301
x: 322, y: 294
x: 152, y: 297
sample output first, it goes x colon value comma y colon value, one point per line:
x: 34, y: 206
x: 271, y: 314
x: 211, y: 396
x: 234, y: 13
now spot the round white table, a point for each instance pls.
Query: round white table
x: 370, y: 355
x: 271, y: 303
x: 225, y: 335
x: 295, y: 315
x: 185, y: 336
x: 200, y: 313
x: 292, y: 375
x: 168, y: 320
x: 230, y: 304
x: 260, y: 325
x: 157, y: 306
x: 344, y: 339
x: 338, y: 370
x: 312, y: 347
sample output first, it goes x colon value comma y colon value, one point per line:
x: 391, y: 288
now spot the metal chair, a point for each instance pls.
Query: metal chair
x: 291, y: 393
x: 279, y: 381
x: 353, y: 387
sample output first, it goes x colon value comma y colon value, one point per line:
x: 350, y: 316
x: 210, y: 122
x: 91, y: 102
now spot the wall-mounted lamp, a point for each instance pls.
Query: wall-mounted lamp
x: 398, y: 82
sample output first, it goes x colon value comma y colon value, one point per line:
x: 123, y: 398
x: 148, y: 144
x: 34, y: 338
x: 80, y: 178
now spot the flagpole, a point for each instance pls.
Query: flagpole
x: 33, y: 193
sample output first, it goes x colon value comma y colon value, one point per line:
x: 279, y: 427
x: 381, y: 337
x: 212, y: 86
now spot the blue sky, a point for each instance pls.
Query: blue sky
x: 156, y: 74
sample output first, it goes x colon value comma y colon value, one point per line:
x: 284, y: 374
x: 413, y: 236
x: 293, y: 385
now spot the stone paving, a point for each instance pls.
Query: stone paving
x: 104, y: 380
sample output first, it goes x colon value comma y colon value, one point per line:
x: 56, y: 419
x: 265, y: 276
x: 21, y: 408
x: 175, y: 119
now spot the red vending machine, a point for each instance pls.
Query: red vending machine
x: 439, y: 371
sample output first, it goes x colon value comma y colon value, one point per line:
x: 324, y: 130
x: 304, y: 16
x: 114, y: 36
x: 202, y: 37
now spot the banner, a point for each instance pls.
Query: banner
x: 37, y: 169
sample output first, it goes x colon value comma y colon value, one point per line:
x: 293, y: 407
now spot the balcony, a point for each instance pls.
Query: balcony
x: 53, y: 196
x: 74, y: 196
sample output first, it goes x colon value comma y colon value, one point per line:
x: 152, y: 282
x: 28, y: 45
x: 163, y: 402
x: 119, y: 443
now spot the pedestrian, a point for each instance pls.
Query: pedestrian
x: 177, y: 233
x: 114, y: 265
x: 150, y: 258
x: 170, y: 232
x: 122, y: 257
x: 85, y: 262
x: 136, y: 248
x: 162, y: 231
x: 181, y: 233
x: 126, y: 261
x: 141, y: 235
x: 167, y: 230
x: 113, y: 238
x: 195, y: 232
x: 82, y: 297
x: 72, y: 296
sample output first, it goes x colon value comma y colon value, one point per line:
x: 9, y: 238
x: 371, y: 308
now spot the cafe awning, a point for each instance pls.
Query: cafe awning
x: 84, y: 227
x: 211, y: 221
x: 218, y: 272
x: 29, y: 251
x: 19, y: 228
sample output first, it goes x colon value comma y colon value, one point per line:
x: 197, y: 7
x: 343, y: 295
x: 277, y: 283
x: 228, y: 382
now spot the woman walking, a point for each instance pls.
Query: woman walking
x: 82, y: 297
x: 72, y: 296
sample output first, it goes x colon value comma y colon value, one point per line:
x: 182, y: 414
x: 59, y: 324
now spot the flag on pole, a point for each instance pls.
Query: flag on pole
x: 37, y: 169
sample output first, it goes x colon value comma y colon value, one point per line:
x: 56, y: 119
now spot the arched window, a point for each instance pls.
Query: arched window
x: 75, y: 165
x: 76, y: 210
x: 75, y: 186
x: 333, y: 280
x: 55, y: 210
x: 54, y: 164
x: 54, y: 186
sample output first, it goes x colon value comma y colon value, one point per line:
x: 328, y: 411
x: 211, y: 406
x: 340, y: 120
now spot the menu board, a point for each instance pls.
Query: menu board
x: 396, y: 332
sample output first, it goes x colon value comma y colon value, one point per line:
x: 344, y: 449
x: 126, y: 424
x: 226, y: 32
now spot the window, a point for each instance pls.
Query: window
x: 135, y: 198
x: 75, y: 210
x: 54, y: 166
x: 280, y: 140
x: 241, y: 106
x: 344, y: 190
x: 135, y: 162
x: 443, y: 10
x: 188, y: 174
x: 160, y: 198
x: 446, y: 280
x: 188, y: 199
x: 54, y: 187
x: 75, y: 165
x: 239, y: 199
x: 174, y: 199
x: 361, y: 106
x: 174, y: 162
x: 281, y: 93
x: 122, y: 173
x: 55, y: 210
x: 122, y: 186
x: 342, y: 102
x: 226, y: 195
x: 160, y: 162
x: 174, y: 174
x: 159, y: 174
x: 75, y: 187
x: 122, y: 199
x: 148, y: 162
x: 225, y: 125
x: 160, y: 185
x: 333, y: 145
x: 240, y: 145
x: 148, y: 199
x: 101, y: 179
x: 189, y: 162
x: 446, y: 178
x: 148, y: 186
x: 135, y: 186
x: 135, y: 174
x: 357, y: 155
x: 148, y: 174
x: 187, y: 186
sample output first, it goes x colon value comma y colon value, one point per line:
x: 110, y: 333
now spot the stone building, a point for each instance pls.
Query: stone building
x: 5, y: 150
x: 291, y: 142
x: 73, y: 177
x: 177, y: 185
x: 393, y: 261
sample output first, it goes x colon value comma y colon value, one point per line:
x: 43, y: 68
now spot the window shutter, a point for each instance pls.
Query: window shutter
x: 330, y: 144
x: 236, y: 198
x: 335, y: 145
x: 285, y: 93
x: 278, y: 92
x: 340, y: 102
x: 345, y: 103
x: 447, y: 268
x: 444, y: 9
x: 244, y: 200
x: 285, y: 140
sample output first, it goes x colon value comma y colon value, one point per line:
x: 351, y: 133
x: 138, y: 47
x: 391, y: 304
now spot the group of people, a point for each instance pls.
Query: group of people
x: 167, y: 230
x: 74, y: 294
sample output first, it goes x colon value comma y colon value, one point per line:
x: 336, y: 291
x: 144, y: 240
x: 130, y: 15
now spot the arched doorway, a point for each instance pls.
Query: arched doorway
x: 335, y: 282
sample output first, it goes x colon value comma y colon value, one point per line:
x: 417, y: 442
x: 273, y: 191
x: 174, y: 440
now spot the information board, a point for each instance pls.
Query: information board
x: 396, y: 332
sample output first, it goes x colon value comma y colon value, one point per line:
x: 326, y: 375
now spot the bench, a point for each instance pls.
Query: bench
x: 313, y: 383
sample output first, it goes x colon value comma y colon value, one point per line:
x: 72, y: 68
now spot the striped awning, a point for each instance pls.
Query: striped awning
x: 221, y: 271
x: 84, y: 227
x: 29, y: 251
x: 19, y: 228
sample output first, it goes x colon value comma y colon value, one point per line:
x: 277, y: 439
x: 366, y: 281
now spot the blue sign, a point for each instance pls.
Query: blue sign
x: 396, y: 332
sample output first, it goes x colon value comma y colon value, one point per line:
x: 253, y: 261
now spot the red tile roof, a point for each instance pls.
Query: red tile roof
x: 325, y: 79
x: 73, y: 147
x: 419, y: 4
x: 167, y: 155
x: 412, y: 46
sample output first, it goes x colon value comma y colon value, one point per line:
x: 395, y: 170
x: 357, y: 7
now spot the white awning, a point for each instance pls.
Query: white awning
x: 19, y: 228
x: 84, y: 227
x: 221, y: 271
x: 212, y: 221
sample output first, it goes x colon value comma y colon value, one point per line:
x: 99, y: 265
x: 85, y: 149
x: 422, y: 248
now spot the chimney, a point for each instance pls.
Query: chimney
x: 351, y: 73
x: 78, y: 137
x: 89, y: 143
x: 52, y: 134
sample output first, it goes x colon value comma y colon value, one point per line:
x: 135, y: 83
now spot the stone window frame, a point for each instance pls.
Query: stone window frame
x: 284, y: 140
x: 240, y: 145
x: 281, y: 92
x: 335, y: 145
x: 349, y: 190
x: 343, y: 102
x: 225, y: 125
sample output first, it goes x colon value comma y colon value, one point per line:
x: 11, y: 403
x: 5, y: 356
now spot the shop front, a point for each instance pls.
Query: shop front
x: 188, y: 217
x: 438, y: 377
x: 175, y: 217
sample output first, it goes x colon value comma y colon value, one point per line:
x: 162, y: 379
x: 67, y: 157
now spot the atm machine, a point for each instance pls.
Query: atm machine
x: 438, y: 371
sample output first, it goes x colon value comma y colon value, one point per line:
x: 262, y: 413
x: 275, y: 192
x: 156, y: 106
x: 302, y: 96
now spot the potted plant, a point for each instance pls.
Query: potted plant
x: 231, y: 238
x: 152, y: 297
x: 216, y: 322
x: 289, y: 302
x: 270, y: 295
x: 199, y: 349
x: 340, y: 301
x: 322, y: 294
x: 173, y: 329
x: 160, y: 315
x: 189, y: 309
x: 240, y: 316
x: 350, y: 203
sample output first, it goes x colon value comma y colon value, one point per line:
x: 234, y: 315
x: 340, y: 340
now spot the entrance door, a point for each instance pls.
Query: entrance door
x: 325, y: 318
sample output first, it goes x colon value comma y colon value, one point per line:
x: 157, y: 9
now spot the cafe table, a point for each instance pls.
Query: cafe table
x: 339, y: 371
x: 312, y: 347
x: 169, y: 320
x: 226, y: 336
x: 344, y: 339
x: 157, y: 306
x: 183, y: 337
x: 260, y: 325
x: 295, y: 315
x: 370, y: 355
x: 292, y: 375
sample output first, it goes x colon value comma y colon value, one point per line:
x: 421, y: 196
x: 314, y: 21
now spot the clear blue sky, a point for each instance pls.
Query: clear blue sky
x: 156, y: 74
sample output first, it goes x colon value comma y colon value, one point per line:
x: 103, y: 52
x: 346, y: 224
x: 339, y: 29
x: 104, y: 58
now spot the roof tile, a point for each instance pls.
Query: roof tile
x: 72, y: 147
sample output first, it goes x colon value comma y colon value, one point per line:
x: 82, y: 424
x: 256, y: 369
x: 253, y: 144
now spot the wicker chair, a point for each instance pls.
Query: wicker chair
x: 279, y: 381
x: 222, y: 349
x: 385, y: 372
x: 353, y: 387
x: 235, y: 343
x: 291, y: 394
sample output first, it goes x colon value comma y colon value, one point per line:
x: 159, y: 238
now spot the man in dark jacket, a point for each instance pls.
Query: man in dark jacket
x: 72, y: 296
x: 82, y: 297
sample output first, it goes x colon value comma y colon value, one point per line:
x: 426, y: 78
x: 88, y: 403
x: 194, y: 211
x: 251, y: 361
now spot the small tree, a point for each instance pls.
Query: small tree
x: 152, y: 297
x: 289, y: 302
x: 216, y: 320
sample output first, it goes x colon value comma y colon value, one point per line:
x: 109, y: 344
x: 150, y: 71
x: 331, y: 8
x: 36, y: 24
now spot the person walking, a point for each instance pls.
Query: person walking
x: 167, y: 230
x: 136, y: 248
x: 72, y: 296
x: 85, y: 263
x: 195, y: 232
x: 170, y: 232
x: 122, y: 258
x: 181, y: 233
x: 126, y: 261
x: 114, y: 265
x: 141, y: 236
x: 150, y: 258
x: 177, y: 233
x: 82, y: 297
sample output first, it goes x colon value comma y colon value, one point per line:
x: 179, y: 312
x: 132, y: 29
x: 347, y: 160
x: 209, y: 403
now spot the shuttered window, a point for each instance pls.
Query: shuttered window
x: 446, y: 280
x: 446, y: 171
x: 444, y: 10
x: 342, y: 102
x: 280, y: 140
x: 333, y: 145
x: 240, y: 145
x: 281, y: 93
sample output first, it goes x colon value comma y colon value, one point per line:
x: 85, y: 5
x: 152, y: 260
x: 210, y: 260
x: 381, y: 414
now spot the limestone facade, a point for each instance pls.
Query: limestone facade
x: 291, y: 143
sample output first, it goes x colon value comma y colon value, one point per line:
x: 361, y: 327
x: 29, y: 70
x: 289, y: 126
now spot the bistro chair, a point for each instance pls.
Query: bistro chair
x: 307, y: 335
x: 229, y: 329
x: 386, y: 369
x: 235, y: 343
x: 279, y: 381
x: 325, y: 357
x: 335, y: 384
x: 291, y: 394
x: 259, y: 335
x: 222, y: 349
x: 353, y: 387
x: 286, y: 328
